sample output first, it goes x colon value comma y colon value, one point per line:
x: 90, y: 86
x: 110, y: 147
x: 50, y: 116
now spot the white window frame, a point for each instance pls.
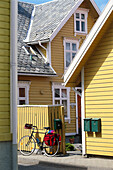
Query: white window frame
x: 81, y: 11
x: 59, y: 86
x: 26, y: 85
x: 71, y: 51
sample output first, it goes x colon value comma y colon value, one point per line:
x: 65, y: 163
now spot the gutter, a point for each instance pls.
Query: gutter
x: 37, y: 75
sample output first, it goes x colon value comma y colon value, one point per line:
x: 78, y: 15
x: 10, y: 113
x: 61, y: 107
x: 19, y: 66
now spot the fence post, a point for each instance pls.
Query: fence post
x: 63, y: 129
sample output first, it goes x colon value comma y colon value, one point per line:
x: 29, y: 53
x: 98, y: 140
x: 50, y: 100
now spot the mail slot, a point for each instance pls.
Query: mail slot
x: 57, y: 124
x: 96, y: 125
x: 87, y: 124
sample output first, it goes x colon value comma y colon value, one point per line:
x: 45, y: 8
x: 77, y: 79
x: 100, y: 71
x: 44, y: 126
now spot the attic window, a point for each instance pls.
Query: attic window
x: 80, y: 21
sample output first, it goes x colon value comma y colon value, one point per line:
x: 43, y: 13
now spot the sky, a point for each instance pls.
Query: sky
x: 101, y: 3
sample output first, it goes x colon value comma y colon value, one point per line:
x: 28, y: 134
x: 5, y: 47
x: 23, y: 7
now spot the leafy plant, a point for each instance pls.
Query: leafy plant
x: 72, y: 137
x: 69, y: 147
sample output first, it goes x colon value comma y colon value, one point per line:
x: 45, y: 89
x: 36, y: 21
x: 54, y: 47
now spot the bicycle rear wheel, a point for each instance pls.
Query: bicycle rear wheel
x: 27, y: 145
x: 51, y: 150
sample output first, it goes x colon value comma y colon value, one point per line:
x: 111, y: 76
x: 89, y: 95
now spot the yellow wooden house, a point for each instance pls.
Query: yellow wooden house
x: 93, y: 67
x: 8, y: 83
x: 49, y: 36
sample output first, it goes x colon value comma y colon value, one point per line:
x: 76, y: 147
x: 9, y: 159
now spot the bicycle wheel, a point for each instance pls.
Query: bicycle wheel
x: 51, y: 150
x: 27, y: 145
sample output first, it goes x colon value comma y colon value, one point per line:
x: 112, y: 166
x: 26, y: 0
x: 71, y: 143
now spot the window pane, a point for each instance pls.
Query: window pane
x: 21, y: 92
x: 77, y: 15
x: 64, y: 93
x: 82, y: 16
x: 57, y: 101
x: 57, y: 92
x: 77, y: 25
x: 73, y: 55
x: 64, y: 102
x: 73, y: 47
x: 68, y: 59
x: 83, y: 26
x: 67, y: 46
x: 21, y: 102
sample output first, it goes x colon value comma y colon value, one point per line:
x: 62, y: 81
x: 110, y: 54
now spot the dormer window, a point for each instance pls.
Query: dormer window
x: 80, y: 21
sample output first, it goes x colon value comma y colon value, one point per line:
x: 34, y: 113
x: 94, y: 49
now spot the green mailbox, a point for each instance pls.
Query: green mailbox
x: 57, y: 124
x: 87, y: 124
x: 96, y: 125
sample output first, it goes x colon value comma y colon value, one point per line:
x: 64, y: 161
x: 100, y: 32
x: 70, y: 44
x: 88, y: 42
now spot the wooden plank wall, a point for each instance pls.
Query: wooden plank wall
x: 40, y: 116
x: 5, y: 70
x: 99, y: 95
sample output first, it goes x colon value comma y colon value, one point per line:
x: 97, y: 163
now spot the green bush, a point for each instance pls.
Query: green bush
x: 69, y: 147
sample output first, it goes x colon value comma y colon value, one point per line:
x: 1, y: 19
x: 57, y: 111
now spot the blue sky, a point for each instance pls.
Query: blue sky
x: 101, y: 3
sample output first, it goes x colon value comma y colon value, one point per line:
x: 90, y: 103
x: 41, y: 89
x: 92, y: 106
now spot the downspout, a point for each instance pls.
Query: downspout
x: 13, y: 81
x: 83, y: 113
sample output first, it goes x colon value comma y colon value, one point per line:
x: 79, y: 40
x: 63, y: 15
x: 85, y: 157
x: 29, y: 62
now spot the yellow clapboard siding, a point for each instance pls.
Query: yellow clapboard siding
x: 4, y: 129
x: 100, y: 144
x: 5, y: 137
x: 5, y: 46
x: 4, y: 11
x: 96, y: 140
x: 4, y: 101
x: 107, y: 149
x: 4, y: 94
x: 96, y: 114
x: 4, y: 32
x: 4, y: 25
x: 4, y: 87
x: 4, y: 122
x: 105, y: 153
x: 4, y: 18
x: 4, y: 66
x: 102, y: 89
x: 4, y: 4
x: 4, y: 80
x: 6, y: 39
x: 4, y: 115
x: 99, y: 93
x: 4, y: 73
x: 91, y: 86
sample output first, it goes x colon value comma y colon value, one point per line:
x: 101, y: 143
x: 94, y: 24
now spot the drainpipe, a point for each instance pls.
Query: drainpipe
x: 13, y: 81
x: 83, y: 113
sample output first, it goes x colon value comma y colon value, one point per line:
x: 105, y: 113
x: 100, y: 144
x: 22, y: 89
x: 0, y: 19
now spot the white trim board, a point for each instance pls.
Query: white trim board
x: 88, y: 41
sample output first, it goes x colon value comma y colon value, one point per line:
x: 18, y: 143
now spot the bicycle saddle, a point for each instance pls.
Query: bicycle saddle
x: 48, y: 128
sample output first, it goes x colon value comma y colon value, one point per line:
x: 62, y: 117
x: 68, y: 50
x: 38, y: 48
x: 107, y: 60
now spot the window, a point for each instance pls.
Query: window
x: 23, y: 92
x: 70, y: 50
x: 61, y: 96
x: 80, y: 22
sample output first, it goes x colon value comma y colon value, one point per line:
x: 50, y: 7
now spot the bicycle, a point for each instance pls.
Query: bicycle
x: 27, y: 144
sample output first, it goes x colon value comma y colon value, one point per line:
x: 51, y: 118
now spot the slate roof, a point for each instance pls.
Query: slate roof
x: 27, y: 64
x: 48, y: 16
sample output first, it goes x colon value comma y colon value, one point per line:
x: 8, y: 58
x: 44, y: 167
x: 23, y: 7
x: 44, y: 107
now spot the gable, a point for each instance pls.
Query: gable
x: 50, y: 17
x: 89, y: 45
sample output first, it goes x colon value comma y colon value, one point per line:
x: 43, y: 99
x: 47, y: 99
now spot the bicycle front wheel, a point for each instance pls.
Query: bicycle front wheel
x: 51, y: 150
x: 27, y: 145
